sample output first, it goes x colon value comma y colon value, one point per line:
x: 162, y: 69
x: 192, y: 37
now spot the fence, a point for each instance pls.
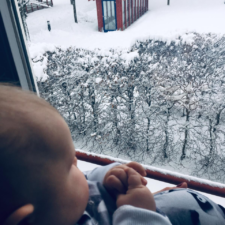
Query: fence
x: 196, y: 184
x: 41, y: 4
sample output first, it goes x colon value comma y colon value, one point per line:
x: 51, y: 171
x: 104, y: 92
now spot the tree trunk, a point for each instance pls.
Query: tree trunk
x: 185, y: 136
x: 147, y: 132
x: 211, y: 130
x: 131, y: 110
x: 115, y: 123
x: 166, y: 134
x: 149, y: 102
x: 83, y: 120
x: 94, y: 108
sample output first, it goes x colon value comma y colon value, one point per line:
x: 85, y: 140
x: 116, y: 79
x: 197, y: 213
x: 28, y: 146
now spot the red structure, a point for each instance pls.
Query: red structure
x: 119, y: 14
x: 31, y: 7
x: 169, y: 178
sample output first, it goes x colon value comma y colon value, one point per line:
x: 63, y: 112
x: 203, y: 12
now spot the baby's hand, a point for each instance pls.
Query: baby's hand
x: 115, y: 180
x: 137, y: 195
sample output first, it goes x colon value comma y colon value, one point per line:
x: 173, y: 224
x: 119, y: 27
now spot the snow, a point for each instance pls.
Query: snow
x: 98, y: 80
x: 130, y: 56
x: 160, y: 22
x: 153, y: 185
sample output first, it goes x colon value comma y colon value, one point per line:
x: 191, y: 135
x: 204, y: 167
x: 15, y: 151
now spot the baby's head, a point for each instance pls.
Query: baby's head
x: 37, y: 161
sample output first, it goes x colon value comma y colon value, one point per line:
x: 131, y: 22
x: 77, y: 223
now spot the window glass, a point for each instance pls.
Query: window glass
x: 156, y: 100
x: 127, y: 12
x: 136, y: 8
x: 109, y: 15
x: 123, y: 12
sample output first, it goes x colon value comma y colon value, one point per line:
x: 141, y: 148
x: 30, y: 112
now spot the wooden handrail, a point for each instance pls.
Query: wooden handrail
x: 157, y: 175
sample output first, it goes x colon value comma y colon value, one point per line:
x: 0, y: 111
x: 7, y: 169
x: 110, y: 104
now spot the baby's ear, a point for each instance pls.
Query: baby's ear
x: 20, y: 214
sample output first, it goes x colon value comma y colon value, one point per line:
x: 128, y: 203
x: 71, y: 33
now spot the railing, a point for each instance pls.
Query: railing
x: 209, y: 187
x: 31, y: 7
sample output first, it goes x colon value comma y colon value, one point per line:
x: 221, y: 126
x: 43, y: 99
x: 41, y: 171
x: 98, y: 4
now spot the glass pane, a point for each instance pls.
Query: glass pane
x: 127, y: 12
x: 137, y: 8
x: 109, y: 15
x: 111, y: 19
x: 130, y: 9
x: 105, y: 15
x: 181, y: 79
x: 123, y: 11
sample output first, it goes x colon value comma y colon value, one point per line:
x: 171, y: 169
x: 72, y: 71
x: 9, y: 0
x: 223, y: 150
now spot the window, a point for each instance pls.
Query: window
x: 127, y: 12
x: 130, y: 6
x: 109, y: 15
x: 123, y: 11
x: 16, y: 67
x: 158, y: 101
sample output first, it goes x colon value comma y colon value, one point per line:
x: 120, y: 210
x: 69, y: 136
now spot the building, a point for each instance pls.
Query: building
x: 119, y: 14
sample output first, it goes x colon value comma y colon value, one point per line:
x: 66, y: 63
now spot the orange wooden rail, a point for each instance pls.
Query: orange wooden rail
x: 207, y: 188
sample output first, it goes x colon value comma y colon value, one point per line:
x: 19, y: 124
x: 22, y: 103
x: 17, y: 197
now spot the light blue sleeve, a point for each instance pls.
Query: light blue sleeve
x: 129, y: 215
x: 99, y: 173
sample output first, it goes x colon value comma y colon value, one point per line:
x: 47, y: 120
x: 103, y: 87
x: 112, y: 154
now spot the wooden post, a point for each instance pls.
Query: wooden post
x: 119, y: 14
x: 99, y: 14
x: 168, y: 2
x: 74, y: 11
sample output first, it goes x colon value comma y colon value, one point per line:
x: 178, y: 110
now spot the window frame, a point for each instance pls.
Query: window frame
x: 15, y: 34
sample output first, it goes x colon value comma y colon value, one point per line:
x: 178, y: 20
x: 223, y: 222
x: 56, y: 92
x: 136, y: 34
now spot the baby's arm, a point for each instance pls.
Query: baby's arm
x: 137, y: 205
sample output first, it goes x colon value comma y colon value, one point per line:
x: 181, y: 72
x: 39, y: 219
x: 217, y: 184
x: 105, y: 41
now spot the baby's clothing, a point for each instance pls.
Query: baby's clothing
x: 174, y: 207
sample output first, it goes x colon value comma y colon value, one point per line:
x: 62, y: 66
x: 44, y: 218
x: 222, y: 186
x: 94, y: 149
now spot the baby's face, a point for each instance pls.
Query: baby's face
x: 66, y: 185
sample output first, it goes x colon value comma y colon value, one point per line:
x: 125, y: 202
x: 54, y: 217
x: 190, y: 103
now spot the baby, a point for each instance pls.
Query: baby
x: 40, y: 183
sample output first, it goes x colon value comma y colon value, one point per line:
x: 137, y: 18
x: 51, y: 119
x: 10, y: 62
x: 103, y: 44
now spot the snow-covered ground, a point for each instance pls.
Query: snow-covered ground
x: 153, y: 185
x: 160, y: 22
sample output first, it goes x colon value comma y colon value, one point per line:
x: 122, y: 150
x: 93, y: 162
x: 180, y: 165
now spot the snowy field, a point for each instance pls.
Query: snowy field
x: 161, y: 22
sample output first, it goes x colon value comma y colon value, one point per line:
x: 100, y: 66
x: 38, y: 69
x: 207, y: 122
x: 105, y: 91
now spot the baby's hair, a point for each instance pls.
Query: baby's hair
x: 19, y: 112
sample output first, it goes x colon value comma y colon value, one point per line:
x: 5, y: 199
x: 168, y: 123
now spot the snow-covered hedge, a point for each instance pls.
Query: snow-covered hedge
x: 161, y: 103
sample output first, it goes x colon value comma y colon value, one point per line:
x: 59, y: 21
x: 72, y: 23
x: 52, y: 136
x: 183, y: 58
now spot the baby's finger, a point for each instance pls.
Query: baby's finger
x: 144, y: 181
x: 138, y: 167
x: 120, y: 174
x: 114, y: 184
x: 134, y: 179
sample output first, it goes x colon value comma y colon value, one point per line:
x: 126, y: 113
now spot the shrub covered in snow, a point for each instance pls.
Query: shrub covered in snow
x: 161, y: 103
